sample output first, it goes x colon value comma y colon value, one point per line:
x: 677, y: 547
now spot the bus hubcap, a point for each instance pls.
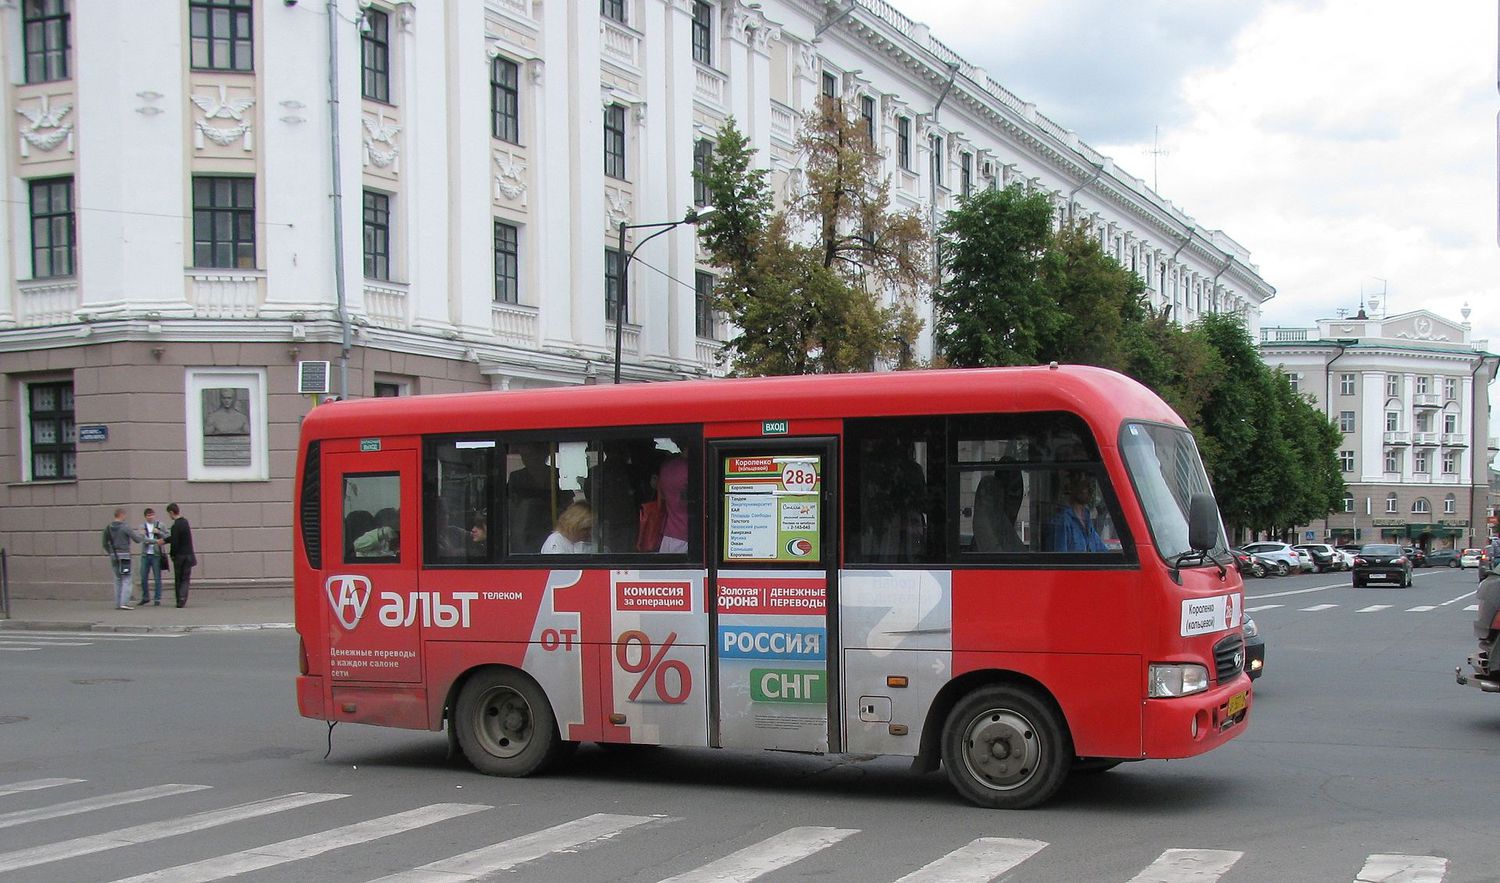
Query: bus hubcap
x: 1001, y: 749
x: 505, y: 723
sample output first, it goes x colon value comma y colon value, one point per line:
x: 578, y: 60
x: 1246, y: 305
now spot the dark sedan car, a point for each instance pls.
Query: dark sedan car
x: 1381, y: 562
x: 1444, y: 558
x: 1255, y: 650
x: 1417, y: 554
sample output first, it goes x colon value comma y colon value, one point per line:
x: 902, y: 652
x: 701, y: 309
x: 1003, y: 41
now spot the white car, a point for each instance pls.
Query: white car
x: 1287, y: 559
x: 1470, y: 557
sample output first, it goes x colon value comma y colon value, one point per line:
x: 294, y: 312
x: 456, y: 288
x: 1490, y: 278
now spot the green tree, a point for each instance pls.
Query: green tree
x: 811, y: 308
x: 1180, y: 365
x: 1099, y: 298
x: 993, y: 307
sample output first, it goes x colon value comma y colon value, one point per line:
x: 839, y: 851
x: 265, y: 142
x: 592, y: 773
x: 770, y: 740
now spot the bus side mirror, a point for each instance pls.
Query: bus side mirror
x: 1203, y: 522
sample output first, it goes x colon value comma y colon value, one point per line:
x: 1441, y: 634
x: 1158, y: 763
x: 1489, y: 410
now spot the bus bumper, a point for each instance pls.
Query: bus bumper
x: 1190, y: 725
x: 310, y: 697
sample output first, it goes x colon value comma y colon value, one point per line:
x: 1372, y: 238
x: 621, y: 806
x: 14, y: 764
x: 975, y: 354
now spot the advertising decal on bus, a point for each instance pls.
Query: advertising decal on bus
x: 1200, y: 616
x: 773, y: 658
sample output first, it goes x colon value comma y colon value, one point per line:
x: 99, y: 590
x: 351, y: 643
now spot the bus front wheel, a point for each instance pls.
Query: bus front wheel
x: 1006, y: 748
x: 505, y: 724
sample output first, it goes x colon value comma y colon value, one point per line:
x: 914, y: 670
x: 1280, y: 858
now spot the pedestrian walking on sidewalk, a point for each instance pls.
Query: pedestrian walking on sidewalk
x: 152, y: 556
x: 180, y: 538
x: 117, y: 538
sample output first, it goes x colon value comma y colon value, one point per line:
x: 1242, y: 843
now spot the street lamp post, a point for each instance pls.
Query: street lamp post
x: 693, y: 216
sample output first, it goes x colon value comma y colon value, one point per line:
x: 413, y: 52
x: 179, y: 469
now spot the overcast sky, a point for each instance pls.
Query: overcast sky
x: 1350, y: 145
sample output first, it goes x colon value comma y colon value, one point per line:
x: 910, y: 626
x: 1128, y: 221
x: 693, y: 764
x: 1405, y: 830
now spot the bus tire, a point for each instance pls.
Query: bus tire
x: 505, y: 724
x: 1006, y: 748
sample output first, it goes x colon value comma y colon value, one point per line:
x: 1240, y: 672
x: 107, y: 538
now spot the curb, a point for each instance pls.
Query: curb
x: 61, y: 626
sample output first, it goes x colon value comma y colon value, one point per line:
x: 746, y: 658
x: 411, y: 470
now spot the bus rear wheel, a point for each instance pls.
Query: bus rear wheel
x: 505, y: 724
x: 1006, y: 748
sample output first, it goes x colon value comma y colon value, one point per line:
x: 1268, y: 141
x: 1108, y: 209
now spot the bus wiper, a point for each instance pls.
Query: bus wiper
x: 1195, y: 556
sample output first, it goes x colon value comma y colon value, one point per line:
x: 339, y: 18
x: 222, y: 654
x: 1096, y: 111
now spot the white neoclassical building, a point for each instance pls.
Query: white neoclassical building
x: 190, y: 217
x: 1410, y: 393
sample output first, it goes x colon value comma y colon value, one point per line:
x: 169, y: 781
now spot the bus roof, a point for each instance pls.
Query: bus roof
x: 1102, y: 397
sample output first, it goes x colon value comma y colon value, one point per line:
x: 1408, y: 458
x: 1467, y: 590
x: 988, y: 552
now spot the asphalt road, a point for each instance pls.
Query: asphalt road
x: 1361, y: 745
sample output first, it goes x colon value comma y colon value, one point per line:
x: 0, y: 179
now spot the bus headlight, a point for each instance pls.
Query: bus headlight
x: 1176, y: 679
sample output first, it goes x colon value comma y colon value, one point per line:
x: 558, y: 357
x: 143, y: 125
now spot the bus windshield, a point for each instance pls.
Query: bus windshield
x: 1166, y: 470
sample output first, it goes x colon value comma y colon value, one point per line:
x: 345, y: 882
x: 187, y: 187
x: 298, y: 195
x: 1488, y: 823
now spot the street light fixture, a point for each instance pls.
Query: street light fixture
x: 693, y: 216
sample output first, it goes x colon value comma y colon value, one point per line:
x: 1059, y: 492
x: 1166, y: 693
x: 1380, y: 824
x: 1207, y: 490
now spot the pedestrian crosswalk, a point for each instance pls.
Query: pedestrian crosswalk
x: 1368, y: 608
x: 22, y: 641
x: 983, y: 859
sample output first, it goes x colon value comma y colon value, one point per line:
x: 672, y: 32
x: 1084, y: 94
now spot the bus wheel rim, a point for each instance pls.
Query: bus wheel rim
x: 505, y: 722
x: 1001, y: 750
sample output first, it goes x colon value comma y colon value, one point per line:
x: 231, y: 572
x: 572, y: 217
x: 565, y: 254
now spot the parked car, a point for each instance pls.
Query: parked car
x: 1471, y: 557
x: 1417, y: 554
x: 1324, y: 556
x: 1383, y: 562
x: 1282, y: 555
x: 1255, y: 649
x: 1249, y: 565
x: 1444, y: 558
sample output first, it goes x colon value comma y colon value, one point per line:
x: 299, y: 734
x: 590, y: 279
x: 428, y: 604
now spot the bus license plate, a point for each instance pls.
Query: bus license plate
x: 1235, y: 706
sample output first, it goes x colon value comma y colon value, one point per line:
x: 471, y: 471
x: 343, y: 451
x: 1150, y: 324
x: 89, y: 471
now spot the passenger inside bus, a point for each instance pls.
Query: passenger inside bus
x: 574, y: 533
x: 616, y: 494
x: 893, y: 516
x: 997, y: 503
x: 1071, y: 528
x: 534, y: 497
x: 671, y: 487
x: 382, y: 541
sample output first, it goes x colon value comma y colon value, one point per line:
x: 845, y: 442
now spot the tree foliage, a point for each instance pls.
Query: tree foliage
x: 812, y: 304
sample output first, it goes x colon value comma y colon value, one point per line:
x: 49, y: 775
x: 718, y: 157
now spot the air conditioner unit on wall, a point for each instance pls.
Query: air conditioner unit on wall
x: 312, y: 378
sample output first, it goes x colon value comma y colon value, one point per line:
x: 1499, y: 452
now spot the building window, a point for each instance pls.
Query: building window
x: 703, y: 291
x: 1419, y: 462
x: 614, y: 141
x: 1392, y: 461
x: 830, y: 85
x: 965, y: 174
x: 1346, y: 461
x: 867, y: 113
x: 387, y: 390
x: 222, y: 36
x: 53, y: 233
x: 1390, y: 503
x: 935, y: 144
x: 1450, y: 463
x: 1450, y: 505
x: 612, y: 289
x: 1392, y: 421
x: 44, y: 38
x: 703, y: 52
x: 1450, y: 423
x: 1348, y: 502
x: 224, y: 222
x: 903, y: 142
x: 1421, y: 507
x: 505, y: 100
x: 507, y: 264
x: 377, y: 235
x: 375, y: 56
x: 1392, y: 385
x: 1424, y: 422
x: 1422, y: 385
x: 703, y: 151
x: 1294, y: 379
x: 1346, y: 421
x: 1346, y: 384
x: 613, y: 10
x: 53, y: 437
x: 1450, y: 388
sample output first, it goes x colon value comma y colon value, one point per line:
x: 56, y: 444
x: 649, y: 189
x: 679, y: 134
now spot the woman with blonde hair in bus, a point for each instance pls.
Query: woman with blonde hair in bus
x: 574, y: 534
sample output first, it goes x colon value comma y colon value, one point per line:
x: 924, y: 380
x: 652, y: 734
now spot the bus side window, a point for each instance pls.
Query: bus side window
x: 895, y: 501
x: 459, y: 484
x: 371, y: 518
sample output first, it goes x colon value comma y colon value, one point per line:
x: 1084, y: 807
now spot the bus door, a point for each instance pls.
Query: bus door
x: 375, y: 612
x: 772, y: 556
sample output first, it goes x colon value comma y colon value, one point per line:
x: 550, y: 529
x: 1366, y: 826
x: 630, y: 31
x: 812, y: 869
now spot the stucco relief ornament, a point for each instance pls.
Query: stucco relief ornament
x: 223, y: 108
x: 1424, y: 326
x: 380, y: 132
x: 45, y: 130
x: 510, y: 183
x: 619, y: 207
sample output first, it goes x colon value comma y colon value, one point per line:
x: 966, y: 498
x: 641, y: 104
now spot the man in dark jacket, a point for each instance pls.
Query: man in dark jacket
x: 180, y: 538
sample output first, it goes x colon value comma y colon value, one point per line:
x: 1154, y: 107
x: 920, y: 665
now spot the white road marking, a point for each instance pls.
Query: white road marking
x: 1325, y: 588
x: 1460, y: 598
x: 1188, y: 866
x: 482, y: 862
x: 65, y: 849
x: 1374, y: 608
x: 1403, y: 869
x: 89, y: 804
x: 36, y: 785
x: 791, y: 845
x: 981, y: 861
x: 33, y: 645
x: 1316, y: 607
x: 19, y: 649
x: 92, y: 636
x: 1421, y: 608
x: 299, y: 848
x: 1263, y: 607
x: 1472, y: 608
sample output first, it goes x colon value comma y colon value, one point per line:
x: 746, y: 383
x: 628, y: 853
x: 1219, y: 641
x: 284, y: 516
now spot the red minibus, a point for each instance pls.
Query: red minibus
x: 1016, y: 572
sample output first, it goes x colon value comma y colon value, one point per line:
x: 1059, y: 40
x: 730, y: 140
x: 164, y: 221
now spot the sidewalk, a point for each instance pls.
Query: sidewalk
x: 206, y: 611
